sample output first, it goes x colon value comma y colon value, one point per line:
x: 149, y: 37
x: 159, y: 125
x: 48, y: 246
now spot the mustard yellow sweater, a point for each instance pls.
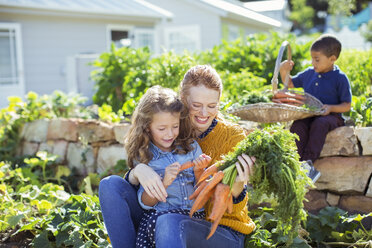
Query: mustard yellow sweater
x: 218, y: 142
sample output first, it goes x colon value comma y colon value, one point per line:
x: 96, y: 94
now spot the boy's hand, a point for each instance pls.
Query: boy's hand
x: 327, y: 109
x: 171, y: 172
x: 286, y: 65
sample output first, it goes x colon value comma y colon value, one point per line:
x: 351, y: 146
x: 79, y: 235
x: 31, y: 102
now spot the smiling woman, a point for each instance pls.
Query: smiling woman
x: 200, y: 92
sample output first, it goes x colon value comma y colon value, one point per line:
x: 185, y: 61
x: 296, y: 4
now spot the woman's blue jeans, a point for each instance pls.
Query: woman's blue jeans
x: 122, y: 214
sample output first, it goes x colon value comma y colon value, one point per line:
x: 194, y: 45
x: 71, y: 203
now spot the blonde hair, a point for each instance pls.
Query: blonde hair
x: 200, y: 75
x: 156, y: 99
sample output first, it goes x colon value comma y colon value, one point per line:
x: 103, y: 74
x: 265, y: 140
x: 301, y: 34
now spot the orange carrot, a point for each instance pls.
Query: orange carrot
x: 215, y: 223
x: 186, y: 165
x: 221, y: 196
x: 291, y: 101
x: 198, y: 190
x: 230, y: 204
x: 204, y: 194
x: 201, y: 202
x: 282, y: 94
x: 208, y: 172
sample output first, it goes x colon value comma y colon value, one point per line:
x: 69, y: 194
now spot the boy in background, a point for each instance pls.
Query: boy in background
x: 325, y: 81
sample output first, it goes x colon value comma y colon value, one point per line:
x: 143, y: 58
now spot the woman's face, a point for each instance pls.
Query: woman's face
x: 203, y: 106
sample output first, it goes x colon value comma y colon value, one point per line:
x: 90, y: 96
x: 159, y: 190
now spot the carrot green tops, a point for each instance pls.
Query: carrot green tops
x: 220, y: 141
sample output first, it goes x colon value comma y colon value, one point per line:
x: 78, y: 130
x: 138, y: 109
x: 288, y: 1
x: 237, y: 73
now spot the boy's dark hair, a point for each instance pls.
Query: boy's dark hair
x: 327, y: 44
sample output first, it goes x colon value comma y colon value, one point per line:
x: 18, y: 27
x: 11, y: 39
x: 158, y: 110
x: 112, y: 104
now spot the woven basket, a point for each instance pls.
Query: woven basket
x: 279, y: 112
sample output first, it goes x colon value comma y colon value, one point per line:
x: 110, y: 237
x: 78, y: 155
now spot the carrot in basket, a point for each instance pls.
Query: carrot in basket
x: 291, y: 101
x: 198, y: 190
x: 220, y: 202
x: 282, y: 94
x: 204, y: 195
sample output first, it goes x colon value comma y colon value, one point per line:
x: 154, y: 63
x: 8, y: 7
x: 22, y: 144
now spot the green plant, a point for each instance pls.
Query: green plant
x: 169, y: 68
x: 121, y: 77
x: 361, y: 112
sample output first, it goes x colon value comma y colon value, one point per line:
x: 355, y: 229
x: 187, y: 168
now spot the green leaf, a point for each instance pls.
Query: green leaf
x: 13, y: 220
x: 42, y: 240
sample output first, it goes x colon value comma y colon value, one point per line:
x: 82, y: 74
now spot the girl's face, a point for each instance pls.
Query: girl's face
x: 321, y: 62
x: 203, y: 107
x: 164, y: 129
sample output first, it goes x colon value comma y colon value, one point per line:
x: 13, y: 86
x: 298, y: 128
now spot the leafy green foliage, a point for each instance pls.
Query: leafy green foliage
x: 18, y: 112
x: 169, y: 68
x: 121, y: 77
x: 361, y: 112
x: 332, y: 226
x: 277, y: 173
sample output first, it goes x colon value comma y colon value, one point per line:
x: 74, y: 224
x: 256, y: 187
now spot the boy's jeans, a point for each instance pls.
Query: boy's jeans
x: 122, y: 214
x: 312, y: 132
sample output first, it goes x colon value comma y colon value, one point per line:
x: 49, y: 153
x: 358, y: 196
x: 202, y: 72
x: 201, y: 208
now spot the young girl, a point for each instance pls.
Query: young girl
x: 158, y: 138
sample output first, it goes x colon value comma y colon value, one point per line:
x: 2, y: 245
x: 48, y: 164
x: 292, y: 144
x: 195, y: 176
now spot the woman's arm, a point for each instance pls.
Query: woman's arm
x: 150, y: 181
x: 170, y: 174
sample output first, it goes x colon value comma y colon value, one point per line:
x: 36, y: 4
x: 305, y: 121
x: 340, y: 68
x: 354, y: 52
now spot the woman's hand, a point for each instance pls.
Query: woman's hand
x: 150, y: 181
x: 245, y: 170
x: 171, y: 172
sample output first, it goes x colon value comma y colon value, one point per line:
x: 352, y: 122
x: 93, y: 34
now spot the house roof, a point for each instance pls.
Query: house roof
x: 135, y: 8
x: 266, y: 5
x: 237, y: 9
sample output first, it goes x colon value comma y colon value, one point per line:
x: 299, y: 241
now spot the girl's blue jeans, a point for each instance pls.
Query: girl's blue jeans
x: 122, y: 214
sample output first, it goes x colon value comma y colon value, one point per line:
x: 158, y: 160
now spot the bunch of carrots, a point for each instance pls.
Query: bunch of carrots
x: 288, y: 98
x: 211, y: 189
x: 277, y: 173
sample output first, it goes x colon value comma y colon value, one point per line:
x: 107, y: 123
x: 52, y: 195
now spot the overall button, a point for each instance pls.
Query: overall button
x: 185, y: 198
x: 319, y: 76
x: 316, y: 84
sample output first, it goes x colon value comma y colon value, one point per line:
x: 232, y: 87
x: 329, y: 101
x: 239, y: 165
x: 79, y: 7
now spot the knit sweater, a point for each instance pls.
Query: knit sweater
x: 218, y: 142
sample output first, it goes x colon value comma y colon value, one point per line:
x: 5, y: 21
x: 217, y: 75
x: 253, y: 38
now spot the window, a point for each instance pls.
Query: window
x: 119, y: 35
x: 144, y: 37
x: 11, y: 62
x: 182, y: 38
x: 9, y: 54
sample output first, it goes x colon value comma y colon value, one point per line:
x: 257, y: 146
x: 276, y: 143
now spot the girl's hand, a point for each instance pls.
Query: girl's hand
x: 171, y: 172
x: 245, y: 170
x: 200, y: 164
x: 150, y: 181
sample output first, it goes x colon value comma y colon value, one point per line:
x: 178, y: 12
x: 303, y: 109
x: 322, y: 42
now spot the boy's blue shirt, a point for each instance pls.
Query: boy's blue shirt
x: 331, y: 88
x: 182, y: 187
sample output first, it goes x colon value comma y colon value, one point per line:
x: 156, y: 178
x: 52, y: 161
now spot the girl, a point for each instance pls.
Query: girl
x: 158, y: 138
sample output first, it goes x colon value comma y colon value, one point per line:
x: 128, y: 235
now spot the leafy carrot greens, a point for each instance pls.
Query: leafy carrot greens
x: 277, y: 173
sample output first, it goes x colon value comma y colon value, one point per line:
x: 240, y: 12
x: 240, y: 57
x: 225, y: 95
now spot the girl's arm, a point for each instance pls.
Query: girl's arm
x: 171, y: 172
x: 150, y: 181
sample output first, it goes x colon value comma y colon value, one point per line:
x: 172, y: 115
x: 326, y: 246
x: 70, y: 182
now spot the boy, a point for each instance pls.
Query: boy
x: 331, y: 86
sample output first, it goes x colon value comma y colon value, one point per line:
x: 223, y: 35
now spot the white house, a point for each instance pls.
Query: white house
x: 45, y: 44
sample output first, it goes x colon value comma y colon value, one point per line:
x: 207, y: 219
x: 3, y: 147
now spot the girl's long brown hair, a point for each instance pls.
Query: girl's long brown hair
x: 156, y: 99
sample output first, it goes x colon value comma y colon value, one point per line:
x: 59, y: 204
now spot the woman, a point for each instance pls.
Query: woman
x: 200, y: 91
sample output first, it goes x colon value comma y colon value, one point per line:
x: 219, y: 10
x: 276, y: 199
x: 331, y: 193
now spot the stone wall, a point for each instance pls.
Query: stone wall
x: 94, y: 146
